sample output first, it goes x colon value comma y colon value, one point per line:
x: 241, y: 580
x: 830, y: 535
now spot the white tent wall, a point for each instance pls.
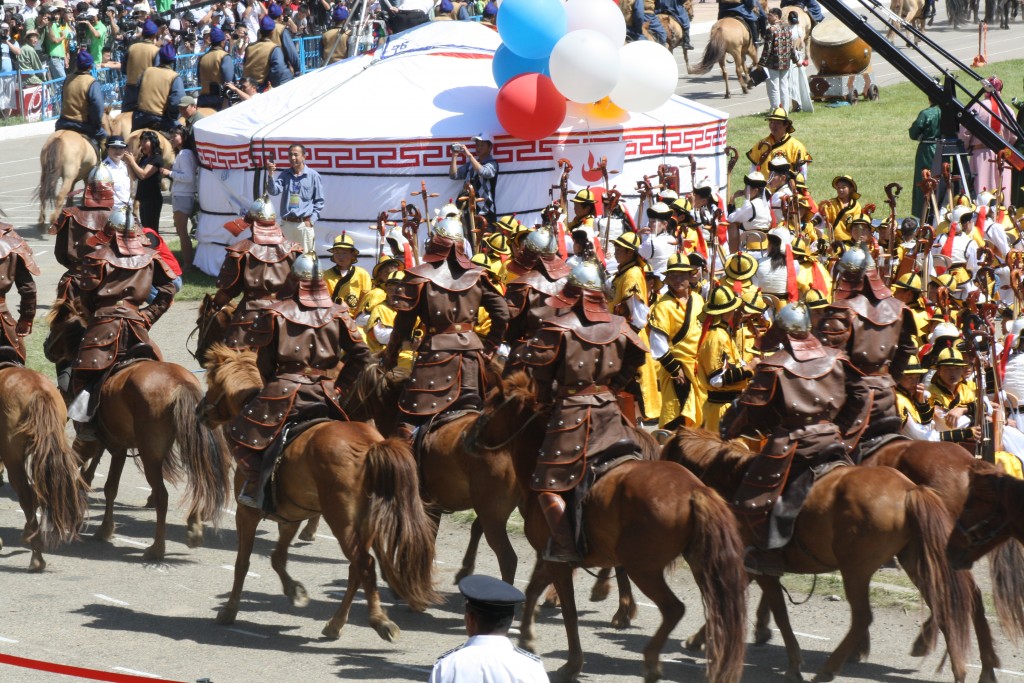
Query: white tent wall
x: 375, y: 126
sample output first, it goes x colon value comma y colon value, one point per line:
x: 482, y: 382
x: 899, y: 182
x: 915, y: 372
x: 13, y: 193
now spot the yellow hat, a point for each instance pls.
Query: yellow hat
x: 585, y: 196
x: 343, y: 241
x: 498, y: 243
x: 911, y: 281
x: 508, y: 224
x: 683, y: 204
x: 384, y: 260
x: 853, y: 184
x: 395, y: 277
x: 950, y: 357
x: 753, y: 302
x: 815, y: 299
x: 914, y: 366
x: 801, y: 247
x: 679, y: 263
x: 721, y: 301
x: 628, y: 240
x: 740, y: 266
x: 493, y: 266
x: 779, y: 114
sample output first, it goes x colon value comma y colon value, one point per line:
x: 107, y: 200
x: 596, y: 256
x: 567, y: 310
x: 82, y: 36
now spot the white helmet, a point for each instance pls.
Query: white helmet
x: 450, y: 228
x: 944, y: 330
x: 541, y: 241
x: 306, y: 268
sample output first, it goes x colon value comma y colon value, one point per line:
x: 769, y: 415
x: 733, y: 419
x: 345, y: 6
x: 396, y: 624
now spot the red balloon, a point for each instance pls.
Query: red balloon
x: 530, y: 107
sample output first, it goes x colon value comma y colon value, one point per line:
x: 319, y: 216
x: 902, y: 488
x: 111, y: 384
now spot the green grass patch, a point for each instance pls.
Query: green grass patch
x: 11, y: 121
x: 467, y: 517
x: 34, y: 357
x: 868, y: 141
x: 195, y: 284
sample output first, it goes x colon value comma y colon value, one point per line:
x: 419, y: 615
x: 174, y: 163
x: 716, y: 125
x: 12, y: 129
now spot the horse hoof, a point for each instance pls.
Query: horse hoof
x: 463, y: 573
x: 527, y: 644
x: 921, y: 648
x: 762, y: 634
x: 599, y: 592
x: 565, y: 674
x: 150, y: 503
x: 621, y: 620
x: 988, y: 675
x: 153, y: 553
x: 388, y: 631
x: 37, y: 564
x: 331, y: 633
x: 824, y: 677
x: 307, y: 536
x: 103, y: 536
x: 694, y: 643
x: 226, y: 616
x: 299, y: 596
x: 194, y: 539
x: 795, y: 676
x: 653, y: 675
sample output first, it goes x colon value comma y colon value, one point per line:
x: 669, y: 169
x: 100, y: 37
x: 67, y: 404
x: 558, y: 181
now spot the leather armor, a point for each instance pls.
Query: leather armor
x: 579, y: 366
x: 260, y: 273
x: 17, y: 266
x: 527, y: 297
x: 298, y: 348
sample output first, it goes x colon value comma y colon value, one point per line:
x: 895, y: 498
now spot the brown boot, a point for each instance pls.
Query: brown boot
x: 248, y: 494
x: 561, y: 545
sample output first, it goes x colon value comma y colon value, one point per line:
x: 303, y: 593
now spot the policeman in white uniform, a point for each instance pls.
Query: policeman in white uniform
x: 489, y: 655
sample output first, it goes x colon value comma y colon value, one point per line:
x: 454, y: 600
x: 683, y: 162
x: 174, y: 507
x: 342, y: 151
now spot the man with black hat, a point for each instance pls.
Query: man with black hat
x: 258, y: 268
x: 300, y: 341
x: 264, y: 61
x: 488, y: 655
x: 657, y: 243
x: 141, y: 55
x: 160, y: 92
x: 780, y: 140
x: 445, y: 292
x: 215, y: 70
x: 81, y: 108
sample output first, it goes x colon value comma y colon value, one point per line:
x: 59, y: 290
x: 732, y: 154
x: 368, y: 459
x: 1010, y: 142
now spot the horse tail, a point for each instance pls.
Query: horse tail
x: 713, y: 53
x: 716, y: 550
x: 1006, y: 567
x: 56, y: 480
x: 403, y: 536
x: 202, y: 453
x: 49, y: 176
x: 947, y: 592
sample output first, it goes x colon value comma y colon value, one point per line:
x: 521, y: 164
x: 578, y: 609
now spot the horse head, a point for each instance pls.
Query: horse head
x: 67, y: 327
x: 374, y: 395
x: 232, y: 380
x: 984, y: 523
x: 211, y: 326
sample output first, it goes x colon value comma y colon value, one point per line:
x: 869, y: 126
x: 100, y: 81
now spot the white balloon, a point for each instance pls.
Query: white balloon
x: 648, y: 76
x: 603, y: 16
x: 584, y: 65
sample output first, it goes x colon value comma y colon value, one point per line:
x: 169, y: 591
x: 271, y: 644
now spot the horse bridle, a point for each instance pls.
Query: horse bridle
x: 471, y: 439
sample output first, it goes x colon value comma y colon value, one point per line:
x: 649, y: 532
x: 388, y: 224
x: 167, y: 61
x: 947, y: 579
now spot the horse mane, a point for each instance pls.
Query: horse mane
x: 232, y: 368
x: 65, y: 309
x: 705, y: 454
x: 519, y: 387
x: 374, y: 391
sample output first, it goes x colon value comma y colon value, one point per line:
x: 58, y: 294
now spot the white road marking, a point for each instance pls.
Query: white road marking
x: 132, y: 541
x: 7, y: 640
x: 110, y: 599
x: 135, y: 672
x: 144, y: 488
x: 248, y: 633
x: 231, y: 569
x: 1002, y: 671
x: 804, y: 635
x: 330, y: 538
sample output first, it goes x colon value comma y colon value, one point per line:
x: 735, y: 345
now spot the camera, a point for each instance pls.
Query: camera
x: 457, y: 147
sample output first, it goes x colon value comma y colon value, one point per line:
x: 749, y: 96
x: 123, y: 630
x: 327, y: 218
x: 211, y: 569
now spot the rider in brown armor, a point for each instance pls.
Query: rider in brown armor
x: 527, y: 295
x: 300, y: 341
x: 115, y: 281
x: 795, y: 397
x: 16, y: 270
x: 444, y: 292
x: 580, y: 360
x: 258, y: 269
x: 877, y: 332
x: 77, y: 224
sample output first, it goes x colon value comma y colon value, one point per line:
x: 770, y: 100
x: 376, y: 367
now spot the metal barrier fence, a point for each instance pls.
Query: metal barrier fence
x: 41, y: 101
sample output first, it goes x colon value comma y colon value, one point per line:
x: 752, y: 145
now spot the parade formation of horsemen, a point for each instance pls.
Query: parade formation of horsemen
x: 761, y: 384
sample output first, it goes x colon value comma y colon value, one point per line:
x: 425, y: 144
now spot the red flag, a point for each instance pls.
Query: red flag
x: 702, y: 246
x: 818, y: 278
x: 947, y: 247
x: 792, y: 291
x: 562, y: 249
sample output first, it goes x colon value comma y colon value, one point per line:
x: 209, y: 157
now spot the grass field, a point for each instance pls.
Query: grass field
x: 868, y: 141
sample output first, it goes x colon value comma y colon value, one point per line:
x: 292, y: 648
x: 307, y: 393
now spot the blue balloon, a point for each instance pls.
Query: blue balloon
x: 507, y: 65
x: 530, y: 28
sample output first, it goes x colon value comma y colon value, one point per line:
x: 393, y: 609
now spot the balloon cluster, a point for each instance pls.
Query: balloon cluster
x: 554, y: 51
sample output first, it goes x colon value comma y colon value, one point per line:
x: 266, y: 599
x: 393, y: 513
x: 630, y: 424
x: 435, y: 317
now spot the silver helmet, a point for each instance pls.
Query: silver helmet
x: 100, y: 174
x: 261, y: 211
x: 541, y: 241
x: 587, y: 275
x: 795, y: 320
x: 450, y: 228
x: 120, y: 219
x: 306, y: 268
x: 854, y: 262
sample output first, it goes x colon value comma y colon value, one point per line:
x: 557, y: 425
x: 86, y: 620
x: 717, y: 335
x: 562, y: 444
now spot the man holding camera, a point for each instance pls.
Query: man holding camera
x: 215, y: 69
x: 57, y: 33
x: 141, y: 55
x: 481, y: 170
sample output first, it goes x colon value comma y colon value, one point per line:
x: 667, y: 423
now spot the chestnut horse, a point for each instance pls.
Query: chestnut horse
x: 66, y: 158
x: 855, y: 520
x: 41, y: 465
x: 151, y: 407
x: 640, y: 516
x: 729, y: 37
x: 455, y: 474
x: 992, y: 514
x: 365, y: 486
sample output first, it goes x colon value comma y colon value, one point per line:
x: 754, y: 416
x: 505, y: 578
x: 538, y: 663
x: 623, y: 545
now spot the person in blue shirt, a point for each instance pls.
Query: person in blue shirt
x: 264, y: 61
x: 748, y: 11
x: 674, y: 8
x: 812, y: 8
x: 82, y: 101
x: 302, y: 197
x: 481, y: 170
x: 640, y: 18
x: 160, y: 93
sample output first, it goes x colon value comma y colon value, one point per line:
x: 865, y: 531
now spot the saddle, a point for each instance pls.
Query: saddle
x: 83, y: 407
x: 419, y: 441
x: 867, y: 447
x: 597, y: 466
x: 266, y: 494
x: 782, y: 520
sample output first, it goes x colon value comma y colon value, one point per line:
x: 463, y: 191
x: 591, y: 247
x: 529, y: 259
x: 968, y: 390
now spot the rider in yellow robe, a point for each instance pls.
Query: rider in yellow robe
x: 721, y: 370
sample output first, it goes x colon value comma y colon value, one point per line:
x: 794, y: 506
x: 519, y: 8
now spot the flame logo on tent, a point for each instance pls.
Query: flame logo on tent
x: 591, y: 172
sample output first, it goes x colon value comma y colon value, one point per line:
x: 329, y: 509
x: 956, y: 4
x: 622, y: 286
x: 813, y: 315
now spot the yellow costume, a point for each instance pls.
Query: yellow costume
x: 630, y: 283
x: 840, y: 217
x: 805, y: 277
x: 384, y: 316
x: 679, y: 321
x: 348, y: 288
x: 766, y: 149
x: 718, y: 350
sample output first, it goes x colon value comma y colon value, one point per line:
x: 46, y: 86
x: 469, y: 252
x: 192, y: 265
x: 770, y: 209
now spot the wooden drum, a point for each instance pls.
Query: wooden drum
x: 835, y: 49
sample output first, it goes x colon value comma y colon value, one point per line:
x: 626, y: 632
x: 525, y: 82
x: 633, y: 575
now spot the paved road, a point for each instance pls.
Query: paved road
x: 100, y: 606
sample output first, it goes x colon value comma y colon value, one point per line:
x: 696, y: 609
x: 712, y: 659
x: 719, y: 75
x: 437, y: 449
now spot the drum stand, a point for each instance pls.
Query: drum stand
x: 951, y: 151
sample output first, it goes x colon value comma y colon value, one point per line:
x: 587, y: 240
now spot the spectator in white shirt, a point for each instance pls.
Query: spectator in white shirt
x: 184, y: 173
x: 116, y: 148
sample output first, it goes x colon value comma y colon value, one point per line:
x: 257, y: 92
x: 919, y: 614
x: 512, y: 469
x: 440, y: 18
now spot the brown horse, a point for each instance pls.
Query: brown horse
x: 65, y: 160
x: 855, y: 520
x: 947, y: 469
x: 41, y: 465
x: 151, y: 407
x: 912, y: 12
x: 641, y: 516
x: 366, y: 488
x: 673, y: 29
x: 729, y: 37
